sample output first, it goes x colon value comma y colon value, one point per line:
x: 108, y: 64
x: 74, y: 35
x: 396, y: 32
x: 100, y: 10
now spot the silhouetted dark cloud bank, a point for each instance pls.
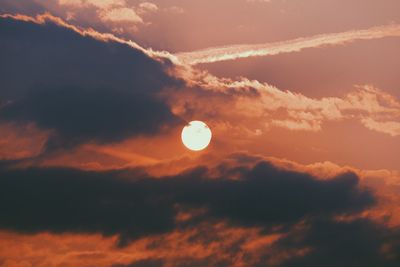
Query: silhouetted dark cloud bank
x: 132, y: 204
x: 82, y: 88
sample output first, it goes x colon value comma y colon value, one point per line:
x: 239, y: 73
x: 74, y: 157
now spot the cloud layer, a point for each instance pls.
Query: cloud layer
x: 301, y: 210
x: 82, y: 89
x: 132, y: 204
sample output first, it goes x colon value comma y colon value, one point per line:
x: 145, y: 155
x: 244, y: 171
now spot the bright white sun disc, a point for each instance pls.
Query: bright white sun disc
x: 196, y: 135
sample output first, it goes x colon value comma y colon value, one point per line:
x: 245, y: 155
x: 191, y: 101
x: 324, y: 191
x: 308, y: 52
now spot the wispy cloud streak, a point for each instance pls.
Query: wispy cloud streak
x: 216, y: 54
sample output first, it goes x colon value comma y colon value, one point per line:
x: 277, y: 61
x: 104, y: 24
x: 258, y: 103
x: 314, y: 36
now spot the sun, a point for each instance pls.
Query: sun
x: 196, y: 135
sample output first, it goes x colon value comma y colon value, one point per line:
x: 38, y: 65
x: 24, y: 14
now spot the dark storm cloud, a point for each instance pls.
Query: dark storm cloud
x: 347, y: 244
x: 131, y: 204
x: 82, y: 88
x: 79, y: 114
x: 277, y: 196
x: 62, y: 200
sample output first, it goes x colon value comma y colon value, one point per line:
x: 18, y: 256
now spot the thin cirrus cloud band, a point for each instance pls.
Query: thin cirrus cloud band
x: 216, y: 54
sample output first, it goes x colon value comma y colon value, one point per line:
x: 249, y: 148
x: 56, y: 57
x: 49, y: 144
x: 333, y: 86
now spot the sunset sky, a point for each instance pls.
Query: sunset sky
x: 302, y: 98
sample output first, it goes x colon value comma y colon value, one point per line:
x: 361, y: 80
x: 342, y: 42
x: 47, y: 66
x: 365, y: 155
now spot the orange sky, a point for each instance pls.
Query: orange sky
x: 297, y: 95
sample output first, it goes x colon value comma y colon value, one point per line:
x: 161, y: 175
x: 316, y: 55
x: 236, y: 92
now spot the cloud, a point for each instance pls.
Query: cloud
x: 131, y: 204
x: 390, y: 127
x: 297, y: 125
x: 29, y: 138
x: 96, y: 3
x: 148, y: 7
x: 118, y: 13
x: 354, y: 243
x: 81, y: 88
x: 251, y: 105
x: 46, y: 17
x: 232, y: 52
x: 122, y: 14
x: 213, y: 245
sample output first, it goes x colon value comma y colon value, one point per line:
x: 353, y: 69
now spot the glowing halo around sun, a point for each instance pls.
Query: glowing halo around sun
x: 196, y: 135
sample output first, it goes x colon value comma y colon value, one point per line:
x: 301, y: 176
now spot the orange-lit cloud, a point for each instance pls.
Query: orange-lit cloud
x: 21, y: 141
x: 112, y: 10
x: 389, y: 127
x: 105, y: 37
x: 148, y: 6
x: 95, y: 3
x: 122, y: 14
x: 73, y: 250
x: 262, y: 105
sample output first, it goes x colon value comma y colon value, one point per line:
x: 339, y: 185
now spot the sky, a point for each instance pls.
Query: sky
x: 302, y: 98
